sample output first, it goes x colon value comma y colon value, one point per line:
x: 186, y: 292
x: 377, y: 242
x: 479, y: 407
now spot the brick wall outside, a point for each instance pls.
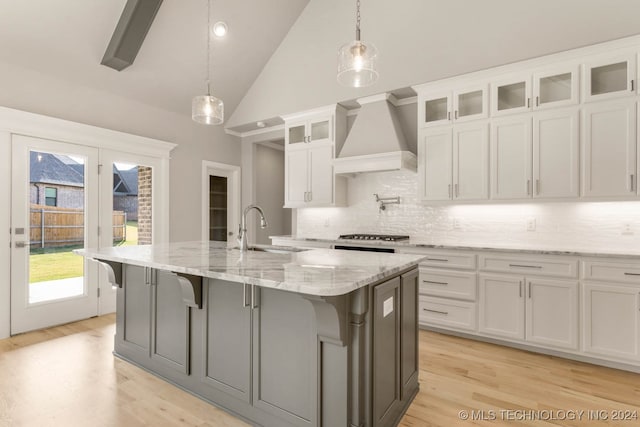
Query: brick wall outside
x: 68, y: 196
x: 144, y: 205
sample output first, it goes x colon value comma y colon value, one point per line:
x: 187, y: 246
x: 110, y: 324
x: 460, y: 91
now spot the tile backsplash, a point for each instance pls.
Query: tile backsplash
x: 613, y: 226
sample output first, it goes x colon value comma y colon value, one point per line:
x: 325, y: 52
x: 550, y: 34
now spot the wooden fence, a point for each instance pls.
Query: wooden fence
x: 53, y: 226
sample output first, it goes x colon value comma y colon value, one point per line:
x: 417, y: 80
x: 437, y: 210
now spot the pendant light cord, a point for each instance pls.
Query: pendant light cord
x: 358, y: 20
x: 209, y: 47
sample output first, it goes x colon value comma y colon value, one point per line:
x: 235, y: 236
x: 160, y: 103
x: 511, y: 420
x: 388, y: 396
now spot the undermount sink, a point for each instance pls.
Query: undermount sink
x: 275, y: 250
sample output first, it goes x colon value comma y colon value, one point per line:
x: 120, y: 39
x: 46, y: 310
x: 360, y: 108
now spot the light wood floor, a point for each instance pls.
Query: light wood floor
x: 67, y: 376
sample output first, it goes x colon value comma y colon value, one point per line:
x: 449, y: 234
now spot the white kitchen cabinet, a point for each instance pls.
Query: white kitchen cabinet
x: 309, y: 179
x: 540, y: 164
x: 453, y: 106
x: 435, y: 163
x: 316, y: 129
x: 311, y: 140
x: 552, y: 313
x: 540, y: 311
x: 511, y: 94
x: 453, y: 162
x: 501, y: 306
x: 556, y: 154
x: 549, y: 87
x: 611, y: 320
x: 609, y: 77
x: 511, y: 163
x: 609, y: 149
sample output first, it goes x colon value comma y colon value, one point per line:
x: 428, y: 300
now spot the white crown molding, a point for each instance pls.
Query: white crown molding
x: 396, y: 103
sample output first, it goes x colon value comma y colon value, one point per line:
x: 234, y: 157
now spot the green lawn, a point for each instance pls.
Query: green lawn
x: 61, y: 263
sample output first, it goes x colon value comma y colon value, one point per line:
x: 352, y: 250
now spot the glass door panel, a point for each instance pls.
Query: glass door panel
x: 320, y: 130
x: 609, y: 78
x: 54, y: 209
x: 512, y: 96
x: 436, y: 110
x: 555, y: 88
x: 470, y: 104
x: 218, y: 208
x: 296, y: 134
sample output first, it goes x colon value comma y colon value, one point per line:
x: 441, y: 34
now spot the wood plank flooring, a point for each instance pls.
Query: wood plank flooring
x: 67, y: 376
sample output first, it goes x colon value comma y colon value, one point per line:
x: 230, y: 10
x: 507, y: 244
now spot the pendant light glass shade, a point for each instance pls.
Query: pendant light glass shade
x: 357, y: 64
x: 207, y: 109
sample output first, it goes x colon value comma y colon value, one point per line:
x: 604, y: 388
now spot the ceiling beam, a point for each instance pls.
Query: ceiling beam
x: 132, y: 28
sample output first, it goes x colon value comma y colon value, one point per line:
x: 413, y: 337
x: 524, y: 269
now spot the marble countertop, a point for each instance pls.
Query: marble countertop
x: 413, y: 243
x: 322, y: 272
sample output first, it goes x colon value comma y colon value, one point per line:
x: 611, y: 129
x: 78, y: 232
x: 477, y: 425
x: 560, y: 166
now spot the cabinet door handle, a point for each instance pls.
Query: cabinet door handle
x: 435, y: 311
x: 244, y: 296
x: 528, y: 187
x: 632, y: 85
x: 632, y: 182
x: 525, y: 266
x: 437, y: 259
x: 632, y: 274
x: 537, y: 186
x: 528, y: 102
x: 537, y: 101
x: 520, y: 289
x: 448, y: 115
x: 456, y: 187
x: 435, y: 283
x: 529, y: 286
x: 254, y: 297
x: 456, y: 115
x: 310, y: 196
x: 449, y: 190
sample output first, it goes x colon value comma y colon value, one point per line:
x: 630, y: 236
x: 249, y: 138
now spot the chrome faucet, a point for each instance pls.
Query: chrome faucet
x: 242, y: 232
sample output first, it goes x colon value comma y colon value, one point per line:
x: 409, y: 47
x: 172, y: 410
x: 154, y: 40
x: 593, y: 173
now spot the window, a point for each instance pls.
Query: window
x: 51, y: 196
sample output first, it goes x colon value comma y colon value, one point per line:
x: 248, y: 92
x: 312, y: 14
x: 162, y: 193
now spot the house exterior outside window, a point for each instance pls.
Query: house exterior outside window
x: 51, y: 196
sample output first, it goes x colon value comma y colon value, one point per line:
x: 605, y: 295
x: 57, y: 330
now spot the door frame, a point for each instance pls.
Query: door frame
x: 232, y: 173
x: 30, y: 124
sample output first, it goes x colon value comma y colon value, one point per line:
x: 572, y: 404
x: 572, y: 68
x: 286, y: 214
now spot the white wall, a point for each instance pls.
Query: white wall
x: 269, y: 171
x: 580, y: 225
x: 27, y: 90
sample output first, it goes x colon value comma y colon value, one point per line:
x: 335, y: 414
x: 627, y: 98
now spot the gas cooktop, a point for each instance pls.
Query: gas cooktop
x: 383, y: 237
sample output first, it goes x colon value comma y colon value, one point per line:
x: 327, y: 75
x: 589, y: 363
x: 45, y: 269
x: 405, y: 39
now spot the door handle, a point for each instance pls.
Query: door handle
x: 529, y: 285
x: 254, y: 297
x: 520, y: 289
x: 435, y: 311
x: 21, y: 244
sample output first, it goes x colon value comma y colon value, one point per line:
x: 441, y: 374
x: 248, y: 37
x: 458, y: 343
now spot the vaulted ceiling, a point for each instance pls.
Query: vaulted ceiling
x: 280, y: 55
x: 67, y: 39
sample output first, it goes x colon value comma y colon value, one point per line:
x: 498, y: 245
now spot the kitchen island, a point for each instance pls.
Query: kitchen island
x: 310, y: 338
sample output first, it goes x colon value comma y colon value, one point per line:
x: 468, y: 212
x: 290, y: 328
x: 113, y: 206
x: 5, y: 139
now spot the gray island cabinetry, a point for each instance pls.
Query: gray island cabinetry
x: 315, y: 338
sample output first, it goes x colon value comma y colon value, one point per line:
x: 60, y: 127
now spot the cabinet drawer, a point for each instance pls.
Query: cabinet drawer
x: 447, y: 313
x: 552, y: 266
x: 624, y: 272
x: 450, y: 260
x: 448, y: 284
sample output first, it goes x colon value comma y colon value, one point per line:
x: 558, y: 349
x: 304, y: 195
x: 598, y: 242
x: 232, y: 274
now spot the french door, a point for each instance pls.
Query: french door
x: 54, y: 210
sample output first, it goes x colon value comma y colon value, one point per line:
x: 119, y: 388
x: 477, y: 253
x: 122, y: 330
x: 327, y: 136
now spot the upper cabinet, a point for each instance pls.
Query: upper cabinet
x: 311, y: 140
x: 610, y: 77
x: 315, y: 129
x: 453, y: 106
x: 551, y: 87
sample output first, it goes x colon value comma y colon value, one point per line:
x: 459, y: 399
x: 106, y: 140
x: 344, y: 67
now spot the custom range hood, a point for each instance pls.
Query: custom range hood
x: 376, y: 142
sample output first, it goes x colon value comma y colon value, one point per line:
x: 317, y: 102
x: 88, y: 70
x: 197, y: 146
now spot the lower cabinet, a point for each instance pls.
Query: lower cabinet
x: 152, y: 321
x: 540, y: 311
x: 395, y: 346
x: 611, y: 320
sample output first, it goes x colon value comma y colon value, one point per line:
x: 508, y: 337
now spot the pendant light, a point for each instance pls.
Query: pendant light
x: 207, y: 109
x: 357, y: 60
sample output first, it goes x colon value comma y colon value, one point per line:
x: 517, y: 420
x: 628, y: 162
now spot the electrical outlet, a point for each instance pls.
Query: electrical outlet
x: 531, y: 224
x: 457, y: 225
x: 627, y: 229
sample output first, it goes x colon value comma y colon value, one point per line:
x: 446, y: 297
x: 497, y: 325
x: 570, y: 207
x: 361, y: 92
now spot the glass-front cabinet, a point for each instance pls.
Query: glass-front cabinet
x: 556, y: 87
x: 308, y: 131
x: 610, y: 77
x: 459, y: 105
x: 511, y: 95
